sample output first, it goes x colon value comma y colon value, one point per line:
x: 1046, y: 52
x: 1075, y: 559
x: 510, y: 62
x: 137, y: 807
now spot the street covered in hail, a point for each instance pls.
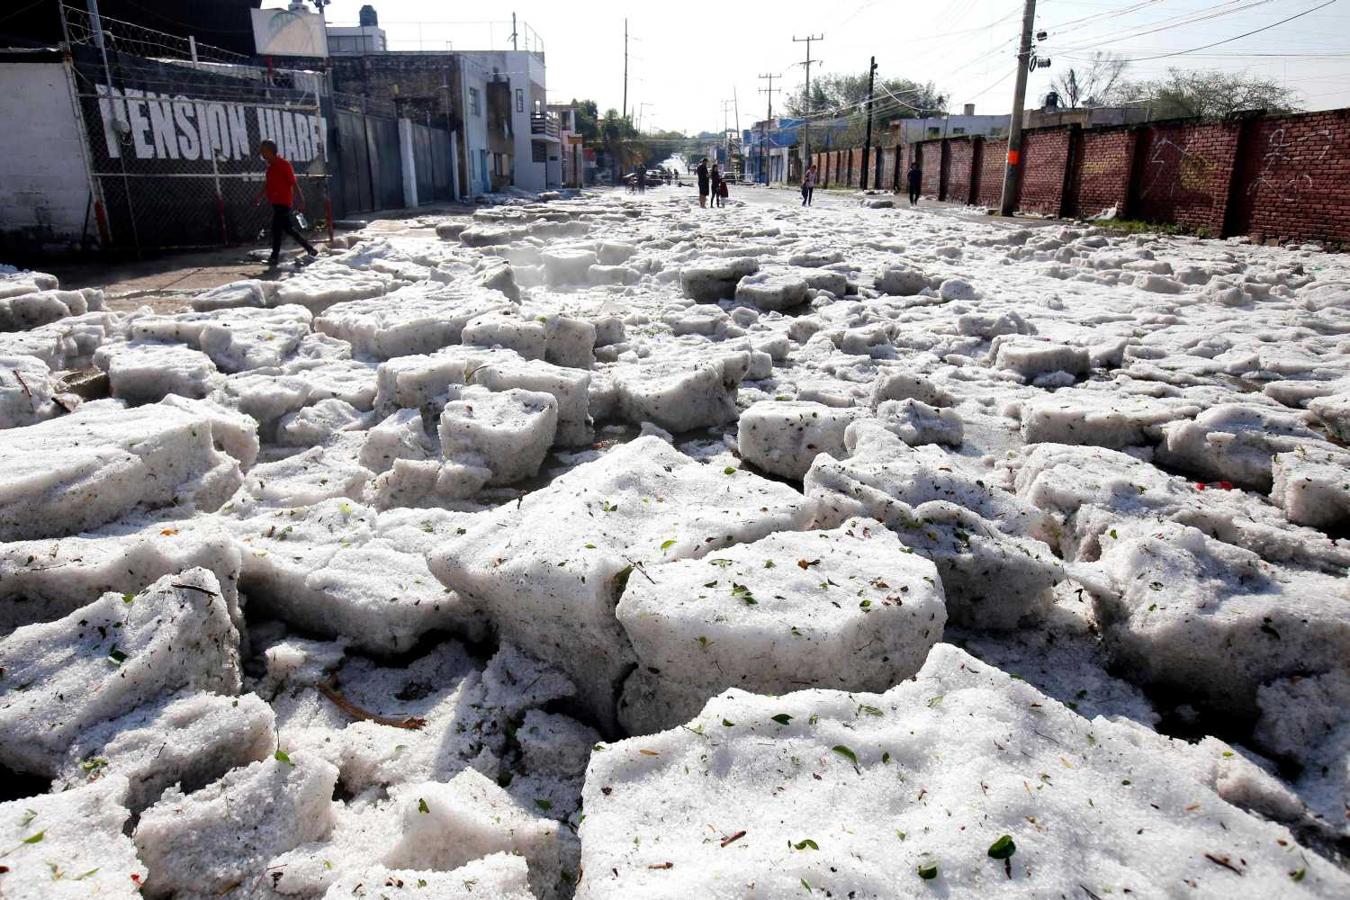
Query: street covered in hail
x: 604, y: 546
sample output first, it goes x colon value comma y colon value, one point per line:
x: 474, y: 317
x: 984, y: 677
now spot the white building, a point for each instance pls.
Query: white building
x: 521, y: 143
x: 571, y: 150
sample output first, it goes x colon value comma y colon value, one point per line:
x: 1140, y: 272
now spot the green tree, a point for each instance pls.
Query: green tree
x: 1207, y: 94
x: 844, y: 94
x: 587, y: 116
x: 837, y: 107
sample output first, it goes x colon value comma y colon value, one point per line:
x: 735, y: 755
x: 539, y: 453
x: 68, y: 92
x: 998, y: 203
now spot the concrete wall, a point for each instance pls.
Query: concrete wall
x: 44, y: 181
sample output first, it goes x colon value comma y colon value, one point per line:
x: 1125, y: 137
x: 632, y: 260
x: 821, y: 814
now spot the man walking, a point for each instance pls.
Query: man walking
x: 808, y: 184
x: 702, y: 172
x: 281, y: 191
x: 915, y: 176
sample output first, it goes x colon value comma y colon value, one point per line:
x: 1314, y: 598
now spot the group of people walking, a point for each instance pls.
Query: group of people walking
x: 711, y: 183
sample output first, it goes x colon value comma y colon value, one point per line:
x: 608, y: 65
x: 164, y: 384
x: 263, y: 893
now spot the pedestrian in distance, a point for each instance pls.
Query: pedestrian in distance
x: 915, y: 177
x: 641, y: 178
x: 716, y: 178
x: 808, y: 184
x: 722, y: 192
x: 282, y: 191
x: 702, y: 173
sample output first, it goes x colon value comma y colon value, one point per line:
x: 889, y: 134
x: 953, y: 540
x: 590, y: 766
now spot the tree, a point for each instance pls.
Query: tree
x: 839, y: 104
x: 1095, y: 83
x: 1208, y: 94
x: 621, y: 142
x: 587, y: 116
x: 846, y: 94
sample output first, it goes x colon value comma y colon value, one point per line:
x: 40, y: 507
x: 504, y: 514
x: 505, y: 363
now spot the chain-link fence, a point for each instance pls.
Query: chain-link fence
x: 173, y: 129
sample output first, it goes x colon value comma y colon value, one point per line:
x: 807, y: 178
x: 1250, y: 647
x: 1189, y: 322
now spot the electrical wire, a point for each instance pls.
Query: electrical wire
x: 1234, y: 38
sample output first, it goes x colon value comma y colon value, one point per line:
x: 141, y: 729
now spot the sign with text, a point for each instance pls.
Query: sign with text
x: 145, y: 125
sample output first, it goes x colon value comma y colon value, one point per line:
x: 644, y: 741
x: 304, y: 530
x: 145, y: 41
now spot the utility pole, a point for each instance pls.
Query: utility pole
x: 806, y: 124
x: 736, y: 107
x: 625, y: 68
x: 1012, y: 173
x: 867, y: 146
x: 514, y: 45
x: 764, y: 131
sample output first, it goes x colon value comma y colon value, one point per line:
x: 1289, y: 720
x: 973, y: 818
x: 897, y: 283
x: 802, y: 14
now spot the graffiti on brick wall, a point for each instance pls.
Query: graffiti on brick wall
x: 1192, y: 169
x: 1283, y: 156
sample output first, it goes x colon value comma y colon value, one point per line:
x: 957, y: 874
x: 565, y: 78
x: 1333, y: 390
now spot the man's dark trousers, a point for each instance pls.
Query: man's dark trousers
x: 284, y: 223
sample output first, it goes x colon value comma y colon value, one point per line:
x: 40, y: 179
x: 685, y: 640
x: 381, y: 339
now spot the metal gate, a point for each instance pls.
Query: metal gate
x: 367, y: 158
x: 431, y: 150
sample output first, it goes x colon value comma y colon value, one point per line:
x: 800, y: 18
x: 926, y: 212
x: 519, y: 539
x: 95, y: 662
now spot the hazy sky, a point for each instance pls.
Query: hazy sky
x: 685, y: 63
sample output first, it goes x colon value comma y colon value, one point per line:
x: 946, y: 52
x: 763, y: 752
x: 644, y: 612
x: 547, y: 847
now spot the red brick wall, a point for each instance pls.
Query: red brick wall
x: 1285, y: 177
x: 931, y: 162
x: 959, y: 170
x: 1293, y: 178
x: 1044, y: 156
x: 991, y: 172
x: 1183, y: 174
x: 1102, y: 178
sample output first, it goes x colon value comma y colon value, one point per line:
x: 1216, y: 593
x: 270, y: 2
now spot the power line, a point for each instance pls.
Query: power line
x: 1236, y: 37
x: 1204, y: 15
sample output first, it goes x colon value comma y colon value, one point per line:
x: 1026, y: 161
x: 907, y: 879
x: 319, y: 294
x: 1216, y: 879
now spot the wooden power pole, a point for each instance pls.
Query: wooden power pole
x: 625, y: 68
x: 764, y: 131
x: 1012, y: 172
x: 867, y: 145
x: 806, y: 107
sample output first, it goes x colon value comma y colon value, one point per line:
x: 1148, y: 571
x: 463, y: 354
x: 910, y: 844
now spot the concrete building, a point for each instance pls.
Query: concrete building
x: 367, y: 37
x: 571, y: 151
x: 495, y: 100
x: 967, y: 124
x: 524, y: 137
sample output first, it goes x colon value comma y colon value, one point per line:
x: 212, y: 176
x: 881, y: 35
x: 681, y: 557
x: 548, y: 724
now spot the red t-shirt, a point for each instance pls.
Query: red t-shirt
x: 280, y: 184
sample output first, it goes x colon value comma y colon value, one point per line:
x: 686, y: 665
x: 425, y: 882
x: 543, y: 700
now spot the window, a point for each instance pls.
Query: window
x: 520, y: 100
x: 475, y: 105
x: 958, y: 131
x: 538, y: 151
x: 934, y: 132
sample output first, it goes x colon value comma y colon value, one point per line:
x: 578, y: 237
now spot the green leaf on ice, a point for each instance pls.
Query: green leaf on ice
x: 283, y: 756
x: 928, y: 871
x: 35, y: 838
x: 729, y: 470
x: 782, y: 718
x: 846, y: 753
x: 422, y: 806
x: 666, y: 545
x: 804, y: 843
x: 1002, y: 848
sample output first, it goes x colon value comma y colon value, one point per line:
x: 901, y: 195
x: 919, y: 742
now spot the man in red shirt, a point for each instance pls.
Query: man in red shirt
x: 281, y: 190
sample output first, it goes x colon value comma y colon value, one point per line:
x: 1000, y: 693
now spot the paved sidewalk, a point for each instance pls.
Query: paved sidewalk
x: 166, y: 281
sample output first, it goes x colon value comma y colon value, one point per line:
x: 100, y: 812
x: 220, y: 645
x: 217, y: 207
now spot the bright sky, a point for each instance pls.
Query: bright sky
x: 684, y: 63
